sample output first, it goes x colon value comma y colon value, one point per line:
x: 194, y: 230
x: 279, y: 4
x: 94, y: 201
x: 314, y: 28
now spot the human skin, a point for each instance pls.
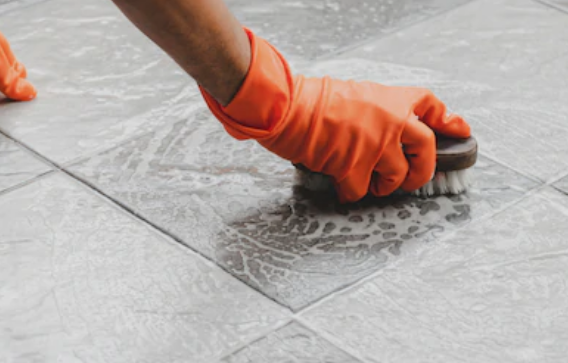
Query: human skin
x: 201, y: 36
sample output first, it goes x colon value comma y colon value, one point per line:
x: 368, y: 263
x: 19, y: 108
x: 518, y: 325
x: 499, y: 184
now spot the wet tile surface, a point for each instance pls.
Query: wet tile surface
x: 486, y: 40
x: 495, y: 292
x: 314, y: 28
x: 9, y: 5
x: 84, y: 282
x: 16, y: 165
x: 293, y: 343
x: 100, y: 80
x: 507, y: 72
x: 236, y: 203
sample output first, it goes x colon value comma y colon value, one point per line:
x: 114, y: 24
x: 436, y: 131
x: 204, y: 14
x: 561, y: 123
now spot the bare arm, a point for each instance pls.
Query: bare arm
x: 202, y: 36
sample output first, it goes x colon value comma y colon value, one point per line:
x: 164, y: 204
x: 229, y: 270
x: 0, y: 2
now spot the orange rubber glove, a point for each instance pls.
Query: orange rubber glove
x: 12, y: 75
x: 365, y: 135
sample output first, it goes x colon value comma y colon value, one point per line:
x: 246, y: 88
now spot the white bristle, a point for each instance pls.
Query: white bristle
x: 453, y: 182
x: 443, y: 183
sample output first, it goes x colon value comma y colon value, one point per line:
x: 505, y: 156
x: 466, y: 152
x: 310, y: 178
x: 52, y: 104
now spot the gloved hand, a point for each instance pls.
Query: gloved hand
x: 363, y: 134
x: 12, y: 75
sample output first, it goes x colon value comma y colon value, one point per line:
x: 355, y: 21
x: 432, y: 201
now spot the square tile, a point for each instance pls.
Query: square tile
x: 494, y: 292
x: 100, y: 81
x: 307, y: 29
x: 293, y: 343
x: 17, y: 165
x: 236, y: 203
x: 82, y: 281
x: 487, y: 40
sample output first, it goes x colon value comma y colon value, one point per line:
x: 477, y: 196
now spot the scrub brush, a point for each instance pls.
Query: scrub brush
x: 453, y: 159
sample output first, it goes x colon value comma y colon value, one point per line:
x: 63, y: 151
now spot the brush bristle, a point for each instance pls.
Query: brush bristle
x: 443, y: 183
x: 447, y: 183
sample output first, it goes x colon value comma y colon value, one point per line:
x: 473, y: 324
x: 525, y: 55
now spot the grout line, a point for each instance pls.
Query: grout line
x: 540, y: 184
x: 29, y: 149
x: 552, y: 6
x: 562, y: 191
x: 103, y: 150
x: 507, y: 166
x: 164, y: 232
x: 139, y: 217
x: 363, y: 280
x: 384, y: 34
x: 27, y: 182
x: 330, y: 338
x: 229, y: 352
x: 558, y: 177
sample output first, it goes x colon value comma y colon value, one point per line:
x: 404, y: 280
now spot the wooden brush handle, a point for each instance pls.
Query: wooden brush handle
x: 455, y: 154
x: 451, y: 155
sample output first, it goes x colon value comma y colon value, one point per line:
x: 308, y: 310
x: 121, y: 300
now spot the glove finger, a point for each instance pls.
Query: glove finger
x: 433, y: 113
x: 420, y: 148
x: 5, y: 48
x: 20, y: 90
x: 390, y: 172
x: 353, y: 187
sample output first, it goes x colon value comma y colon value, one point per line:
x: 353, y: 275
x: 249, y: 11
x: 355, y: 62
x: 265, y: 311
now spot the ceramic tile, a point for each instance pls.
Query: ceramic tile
x: 559, y: 4
x: 525, y: 132
x: 8, y: 5
x: 16, y: 165
x: 309, y: 29
x: 486, y: 40
x: 84, y: 282
x: 293, y: 343
x: 495, y: 292
x: 236, y: 203
x: 100, y: 80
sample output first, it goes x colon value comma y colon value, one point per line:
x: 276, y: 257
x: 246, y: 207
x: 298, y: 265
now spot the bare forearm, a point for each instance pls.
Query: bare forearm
x: 202, y: 36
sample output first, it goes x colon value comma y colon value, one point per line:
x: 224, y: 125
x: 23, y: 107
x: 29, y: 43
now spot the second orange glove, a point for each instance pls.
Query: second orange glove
x: 363, y: 134
x: 12, y: 75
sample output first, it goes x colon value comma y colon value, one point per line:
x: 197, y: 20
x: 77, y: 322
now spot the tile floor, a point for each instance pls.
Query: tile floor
x: 133, y: 229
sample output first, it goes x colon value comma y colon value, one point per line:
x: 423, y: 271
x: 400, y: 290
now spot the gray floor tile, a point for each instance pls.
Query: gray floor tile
x: 8, y: 5
x: 100, y: 80
x: 83, y: 282
x: 560, y: 4
x: 525, y: 132
x: 293, y: 343
x: 235, y: 202
x: 494, y: 293
x: 16, y: 165
x: 486, y: 40
x: 310, y: 29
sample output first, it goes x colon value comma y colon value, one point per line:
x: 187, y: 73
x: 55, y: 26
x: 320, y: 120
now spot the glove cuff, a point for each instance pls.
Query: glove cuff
x: 264, y: 98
